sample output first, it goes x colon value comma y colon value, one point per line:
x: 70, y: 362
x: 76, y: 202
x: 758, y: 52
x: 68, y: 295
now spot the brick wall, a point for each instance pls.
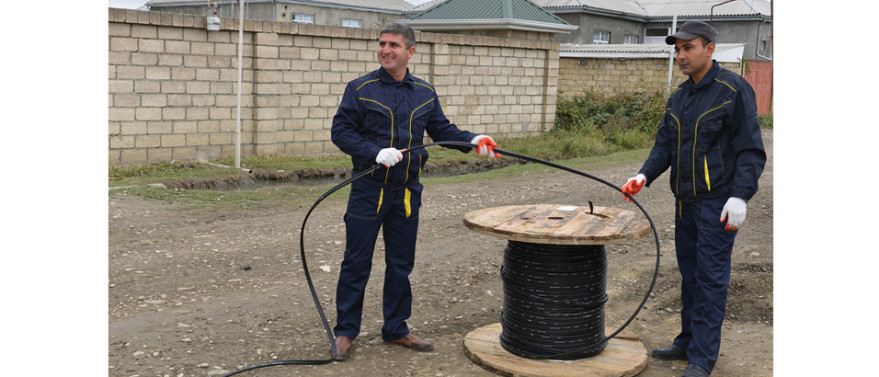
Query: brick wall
x: 173, y: 84
x: 579, y: 75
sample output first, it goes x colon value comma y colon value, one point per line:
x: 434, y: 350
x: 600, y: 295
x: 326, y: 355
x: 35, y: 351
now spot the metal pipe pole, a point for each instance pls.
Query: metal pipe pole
x: 240, y: 63
x: 671, y: 53
x: 711, y: 20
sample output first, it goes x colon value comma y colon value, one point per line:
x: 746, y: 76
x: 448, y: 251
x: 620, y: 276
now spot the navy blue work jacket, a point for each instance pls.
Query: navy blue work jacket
x: 710, y: 138
x: 379, y: 112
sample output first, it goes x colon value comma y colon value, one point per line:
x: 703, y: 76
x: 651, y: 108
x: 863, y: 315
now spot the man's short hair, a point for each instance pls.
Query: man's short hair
x: 704, y: 41
x: 400, y: 29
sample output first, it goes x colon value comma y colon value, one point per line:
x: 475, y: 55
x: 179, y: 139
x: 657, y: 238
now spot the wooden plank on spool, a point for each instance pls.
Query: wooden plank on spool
x: 613, y: 228
x: 640, y: 227
x: 492, y: 217
x: 581, y: 226
x: 624, y: 356
x: 512, y: 224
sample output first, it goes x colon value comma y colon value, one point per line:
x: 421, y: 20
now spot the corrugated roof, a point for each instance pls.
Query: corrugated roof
x: 620, y: 6
x: 649, y: 8
x: 632, y: 51
x: 488, y: 9
x: 685, y: 8
x: 395, y: 5
x: 423, y: 7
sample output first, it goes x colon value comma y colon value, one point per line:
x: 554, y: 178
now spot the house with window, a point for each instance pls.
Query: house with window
x: 629, y: 33
x: 598, y: 21
x: 650, y: 21
x: 492, y: 18
x: 367, y: 14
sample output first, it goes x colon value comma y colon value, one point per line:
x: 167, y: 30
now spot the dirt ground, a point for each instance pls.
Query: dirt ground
x: 193, y: 295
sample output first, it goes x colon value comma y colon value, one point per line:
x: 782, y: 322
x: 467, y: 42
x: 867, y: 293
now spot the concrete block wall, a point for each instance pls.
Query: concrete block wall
x: 173, y: 84
x: 580, y: 75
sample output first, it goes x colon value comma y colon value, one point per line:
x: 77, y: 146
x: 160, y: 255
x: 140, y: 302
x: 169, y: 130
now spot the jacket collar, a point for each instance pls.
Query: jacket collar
x: 707, y: 79
x: 387, y: 78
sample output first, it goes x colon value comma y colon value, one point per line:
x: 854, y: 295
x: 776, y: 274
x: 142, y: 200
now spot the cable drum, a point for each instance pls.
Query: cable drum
x: 554, y: 298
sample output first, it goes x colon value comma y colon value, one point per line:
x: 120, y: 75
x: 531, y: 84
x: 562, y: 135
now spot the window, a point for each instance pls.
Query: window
x: 350, y: 22
x: 601, y: 37
x: 630, y: 39
x: 656, y: 32
x: 655, y: 35
x: 303, y: 18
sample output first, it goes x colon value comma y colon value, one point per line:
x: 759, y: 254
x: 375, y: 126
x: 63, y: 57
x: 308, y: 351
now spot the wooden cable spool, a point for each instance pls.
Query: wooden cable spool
x: 554, y: 224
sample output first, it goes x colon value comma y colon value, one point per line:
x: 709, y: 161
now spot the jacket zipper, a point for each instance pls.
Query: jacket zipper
x: 695, y: 139
x: 411, y: 117
x: 388, y: 170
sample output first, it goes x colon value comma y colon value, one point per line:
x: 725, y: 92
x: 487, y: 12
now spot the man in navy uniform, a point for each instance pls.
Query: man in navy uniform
x: 711, y: 139
x: 381, y: 116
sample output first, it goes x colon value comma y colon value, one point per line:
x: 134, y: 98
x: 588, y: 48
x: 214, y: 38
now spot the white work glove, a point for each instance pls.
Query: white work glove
x: 633, y: 185
x: 485, y: 146
x: 389, y: 157
x: 736, y: 209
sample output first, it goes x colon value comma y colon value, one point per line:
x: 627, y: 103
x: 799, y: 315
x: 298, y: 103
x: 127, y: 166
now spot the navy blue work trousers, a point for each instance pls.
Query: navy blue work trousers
x: 704, y: 250
x: 394, y: 210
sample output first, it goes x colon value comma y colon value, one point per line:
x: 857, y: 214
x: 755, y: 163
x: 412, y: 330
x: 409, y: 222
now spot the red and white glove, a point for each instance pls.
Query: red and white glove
x: 485, y: 146
x: 734, y: 212
x: 633, y: 185
x: 389, y: 157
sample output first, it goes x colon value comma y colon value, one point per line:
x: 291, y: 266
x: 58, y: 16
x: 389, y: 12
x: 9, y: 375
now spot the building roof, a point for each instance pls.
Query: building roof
x: 685, y: 8
x: 648, y: 8
x: 484, y: 9
x: 488, y: 14
x: 394, y: 5
x: 723, y: 52
x: 423, y: 7
x: 630, y: 7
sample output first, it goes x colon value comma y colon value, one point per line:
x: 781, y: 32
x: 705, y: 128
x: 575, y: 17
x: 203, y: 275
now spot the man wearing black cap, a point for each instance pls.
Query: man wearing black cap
x: 711, y: 139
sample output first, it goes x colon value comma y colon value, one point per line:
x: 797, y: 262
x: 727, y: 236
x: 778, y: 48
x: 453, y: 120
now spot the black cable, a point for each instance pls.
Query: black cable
x: 444, y: 143
x: 554, y: 299
x: 320, y: 310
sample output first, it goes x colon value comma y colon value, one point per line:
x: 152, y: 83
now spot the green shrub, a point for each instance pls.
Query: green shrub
x: 609, y: 123
x: 641, y: 110
x: 765, y: 120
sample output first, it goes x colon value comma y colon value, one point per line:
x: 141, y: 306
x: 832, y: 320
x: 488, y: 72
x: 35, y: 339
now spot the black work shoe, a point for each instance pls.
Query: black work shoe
x: 671, y: 352
x: 694, y: 370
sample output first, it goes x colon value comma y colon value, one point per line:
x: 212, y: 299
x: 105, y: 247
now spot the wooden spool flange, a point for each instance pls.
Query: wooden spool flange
x: 624, y: 356
x: 556, y: 224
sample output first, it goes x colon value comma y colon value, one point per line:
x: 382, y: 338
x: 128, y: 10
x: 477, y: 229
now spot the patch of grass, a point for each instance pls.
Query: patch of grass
x: 291, y: 162
x: 227, y: 201
x: 765, y: 120
x: 589, y: 130
x: 165, y: 171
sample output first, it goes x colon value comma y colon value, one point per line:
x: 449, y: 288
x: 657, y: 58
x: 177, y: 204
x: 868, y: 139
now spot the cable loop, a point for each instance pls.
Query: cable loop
x: 560, y: 353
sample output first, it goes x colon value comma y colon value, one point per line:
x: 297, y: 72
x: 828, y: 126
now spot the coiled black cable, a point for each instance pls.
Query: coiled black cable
x: 554, y: 299
x: 366, y: 172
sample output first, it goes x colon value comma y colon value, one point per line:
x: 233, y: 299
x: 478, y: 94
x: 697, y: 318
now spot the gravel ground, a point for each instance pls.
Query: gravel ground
x: 192, y: 295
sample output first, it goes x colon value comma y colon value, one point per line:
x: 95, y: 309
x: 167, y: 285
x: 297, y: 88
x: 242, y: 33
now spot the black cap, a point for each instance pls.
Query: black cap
x: 692, y: 30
